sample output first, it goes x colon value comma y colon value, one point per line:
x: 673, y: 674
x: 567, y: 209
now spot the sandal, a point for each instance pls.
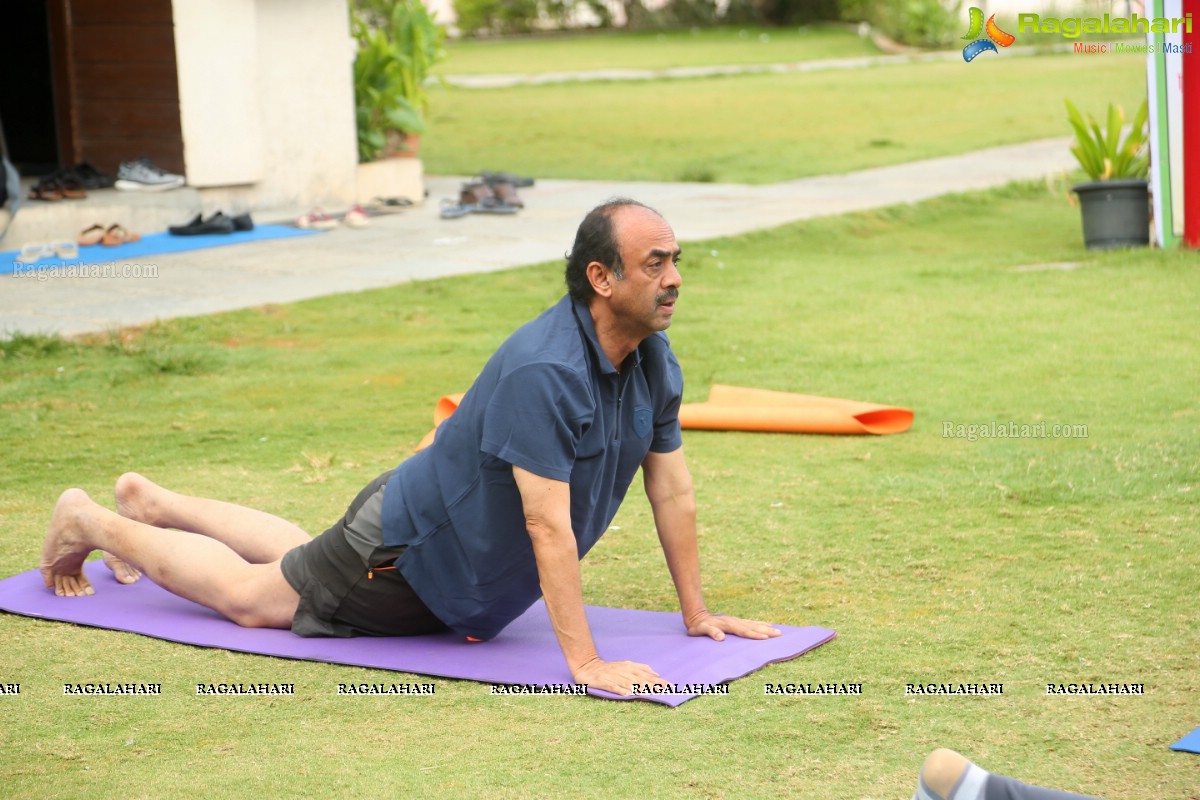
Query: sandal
x: 476, y: 192
x: 487, y: 199
x: 46, y: 189
x: 356, y: 218
x: 453, y: 210
x: 56, y: 186
x: 70, y: 186
x: 33, y: 253
x: 316, y: 220
x: 91, y: 236
x: 507, y: 193
x: 118, y: 235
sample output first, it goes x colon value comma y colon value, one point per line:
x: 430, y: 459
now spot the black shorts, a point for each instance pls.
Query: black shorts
x: 347, y: 583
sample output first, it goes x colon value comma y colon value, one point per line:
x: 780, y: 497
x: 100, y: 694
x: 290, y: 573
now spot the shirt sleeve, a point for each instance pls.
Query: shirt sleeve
x: 535, y: 419
x: 669, y: 394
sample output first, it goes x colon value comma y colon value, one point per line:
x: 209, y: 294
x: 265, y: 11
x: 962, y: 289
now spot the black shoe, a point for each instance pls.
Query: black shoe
x: 92, y: 178
x: 242, y: 222
x: 217, y: 223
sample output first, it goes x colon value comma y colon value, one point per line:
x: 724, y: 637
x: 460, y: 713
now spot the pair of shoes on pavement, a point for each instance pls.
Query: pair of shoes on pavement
x: 143, y: 176
x: 217, y: 223
x: 491, y: 193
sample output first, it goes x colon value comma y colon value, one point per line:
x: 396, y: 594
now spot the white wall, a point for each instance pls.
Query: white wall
x: 267, y: 101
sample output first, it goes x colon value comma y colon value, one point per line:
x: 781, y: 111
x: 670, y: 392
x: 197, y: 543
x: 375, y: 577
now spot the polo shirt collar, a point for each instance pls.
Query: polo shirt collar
x: 588, y: 325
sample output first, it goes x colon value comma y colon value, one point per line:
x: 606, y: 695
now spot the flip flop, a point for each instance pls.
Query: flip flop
x: 33, y: 253
x: 453, y: 210
x: 495, y: 207
x: 91, y: 236
x: 118, y: 235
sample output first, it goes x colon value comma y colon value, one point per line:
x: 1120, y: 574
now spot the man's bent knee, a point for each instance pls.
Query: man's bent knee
x: 266, y: 601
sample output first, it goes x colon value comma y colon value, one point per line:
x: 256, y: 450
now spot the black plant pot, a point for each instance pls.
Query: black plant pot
x: 1115, y: 213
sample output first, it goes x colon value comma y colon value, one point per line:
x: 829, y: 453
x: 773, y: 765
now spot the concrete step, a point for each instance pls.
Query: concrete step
x: 44, y: 222
x: 40, y: 221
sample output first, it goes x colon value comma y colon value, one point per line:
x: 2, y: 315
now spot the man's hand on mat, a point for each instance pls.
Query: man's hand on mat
x: 617, y: 677
x: 715, y: 626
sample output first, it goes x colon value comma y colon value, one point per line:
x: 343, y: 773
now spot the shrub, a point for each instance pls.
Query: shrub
x: 496, y: 16
x: 796, y: 12
x: 919, y: 23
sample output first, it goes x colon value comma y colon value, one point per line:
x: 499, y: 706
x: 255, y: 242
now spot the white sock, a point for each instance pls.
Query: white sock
x: 969, y: 786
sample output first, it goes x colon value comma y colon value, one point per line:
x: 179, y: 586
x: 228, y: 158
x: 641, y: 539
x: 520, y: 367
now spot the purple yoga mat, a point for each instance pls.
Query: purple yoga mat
x: 526, y: 652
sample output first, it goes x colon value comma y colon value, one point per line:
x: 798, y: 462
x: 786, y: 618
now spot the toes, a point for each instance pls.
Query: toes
x: 124, y: 572
x: 72, y: 586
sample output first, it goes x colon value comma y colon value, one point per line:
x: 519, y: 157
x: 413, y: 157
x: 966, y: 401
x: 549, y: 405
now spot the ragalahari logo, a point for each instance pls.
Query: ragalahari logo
x: 995, y: 36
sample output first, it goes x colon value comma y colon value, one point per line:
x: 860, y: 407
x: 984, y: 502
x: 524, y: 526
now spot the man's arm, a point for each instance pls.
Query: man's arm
x: 673, y: 500
x: 547, y: 506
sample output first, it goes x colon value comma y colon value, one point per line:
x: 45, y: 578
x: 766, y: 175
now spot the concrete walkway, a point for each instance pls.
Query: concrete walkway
x: 504, y: 80
x: 416, y: 244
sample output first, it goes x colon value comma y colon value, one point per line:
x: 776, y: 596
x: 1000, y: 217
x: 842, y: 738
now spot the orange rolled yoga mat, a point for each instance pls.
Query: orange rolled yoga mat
x: 446, y: 406
x: 736, y: 408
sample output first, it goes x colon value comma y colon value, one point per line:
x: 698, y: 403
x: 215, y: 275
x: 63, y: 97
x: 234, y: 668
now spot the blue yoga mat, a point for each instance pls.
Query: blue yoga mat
x: 152, y: 244
x: 1189, y: 743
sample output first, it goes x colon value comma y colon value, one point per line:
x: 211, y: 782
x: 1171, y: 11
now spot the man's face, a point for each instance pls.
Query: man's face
x: 645, y: 298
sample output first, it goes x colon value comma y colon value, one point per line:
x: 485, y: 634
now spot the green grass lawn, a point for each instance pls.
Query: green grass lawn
x: 653, y: 49
x: 770, y: 127
x: 1025, y: 561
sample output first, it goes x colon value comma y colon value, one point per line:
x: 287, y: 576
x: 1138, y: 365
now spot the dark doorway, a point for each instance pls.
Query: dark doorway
x: 27, y: 88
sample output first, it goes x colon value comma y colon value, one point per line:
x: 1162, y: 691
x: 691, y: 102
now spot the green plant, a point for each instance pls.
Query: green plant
x: 399, y: 44
x: 1102, y: 154
x: 918, y: 23
x: 496, y: 17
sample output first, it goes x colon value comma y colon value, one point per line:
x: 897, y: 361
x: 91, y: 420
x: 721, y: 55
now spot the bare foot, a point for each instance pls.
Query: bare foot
x: 133, y: 493
x: 66, y: 549
x: 122, y: 570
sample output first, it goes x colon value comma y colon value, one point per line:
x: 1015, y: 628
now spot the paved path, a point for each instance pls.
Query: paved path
x: 416, y: 244
x: 503, y: 80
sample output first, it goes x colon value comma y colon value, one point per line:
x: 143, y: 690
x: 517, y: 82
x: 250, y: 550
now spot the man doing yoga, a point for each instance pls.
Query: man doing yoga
x: 517, y: 486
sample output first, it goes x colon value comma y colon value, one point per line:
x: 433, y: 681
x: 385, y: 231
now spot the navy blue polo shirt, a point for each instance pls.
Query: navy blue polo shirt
x: 548, y: 401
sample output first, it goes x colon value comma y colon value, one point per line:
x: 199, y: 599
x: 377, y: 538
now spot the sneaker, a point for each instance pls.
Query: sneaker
x: 143, y: 176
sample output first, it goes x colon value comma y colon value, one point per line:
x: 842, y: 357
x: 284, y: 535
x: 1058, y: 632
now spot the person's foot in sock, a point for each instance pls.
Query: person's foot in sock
x: 946, y: 775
